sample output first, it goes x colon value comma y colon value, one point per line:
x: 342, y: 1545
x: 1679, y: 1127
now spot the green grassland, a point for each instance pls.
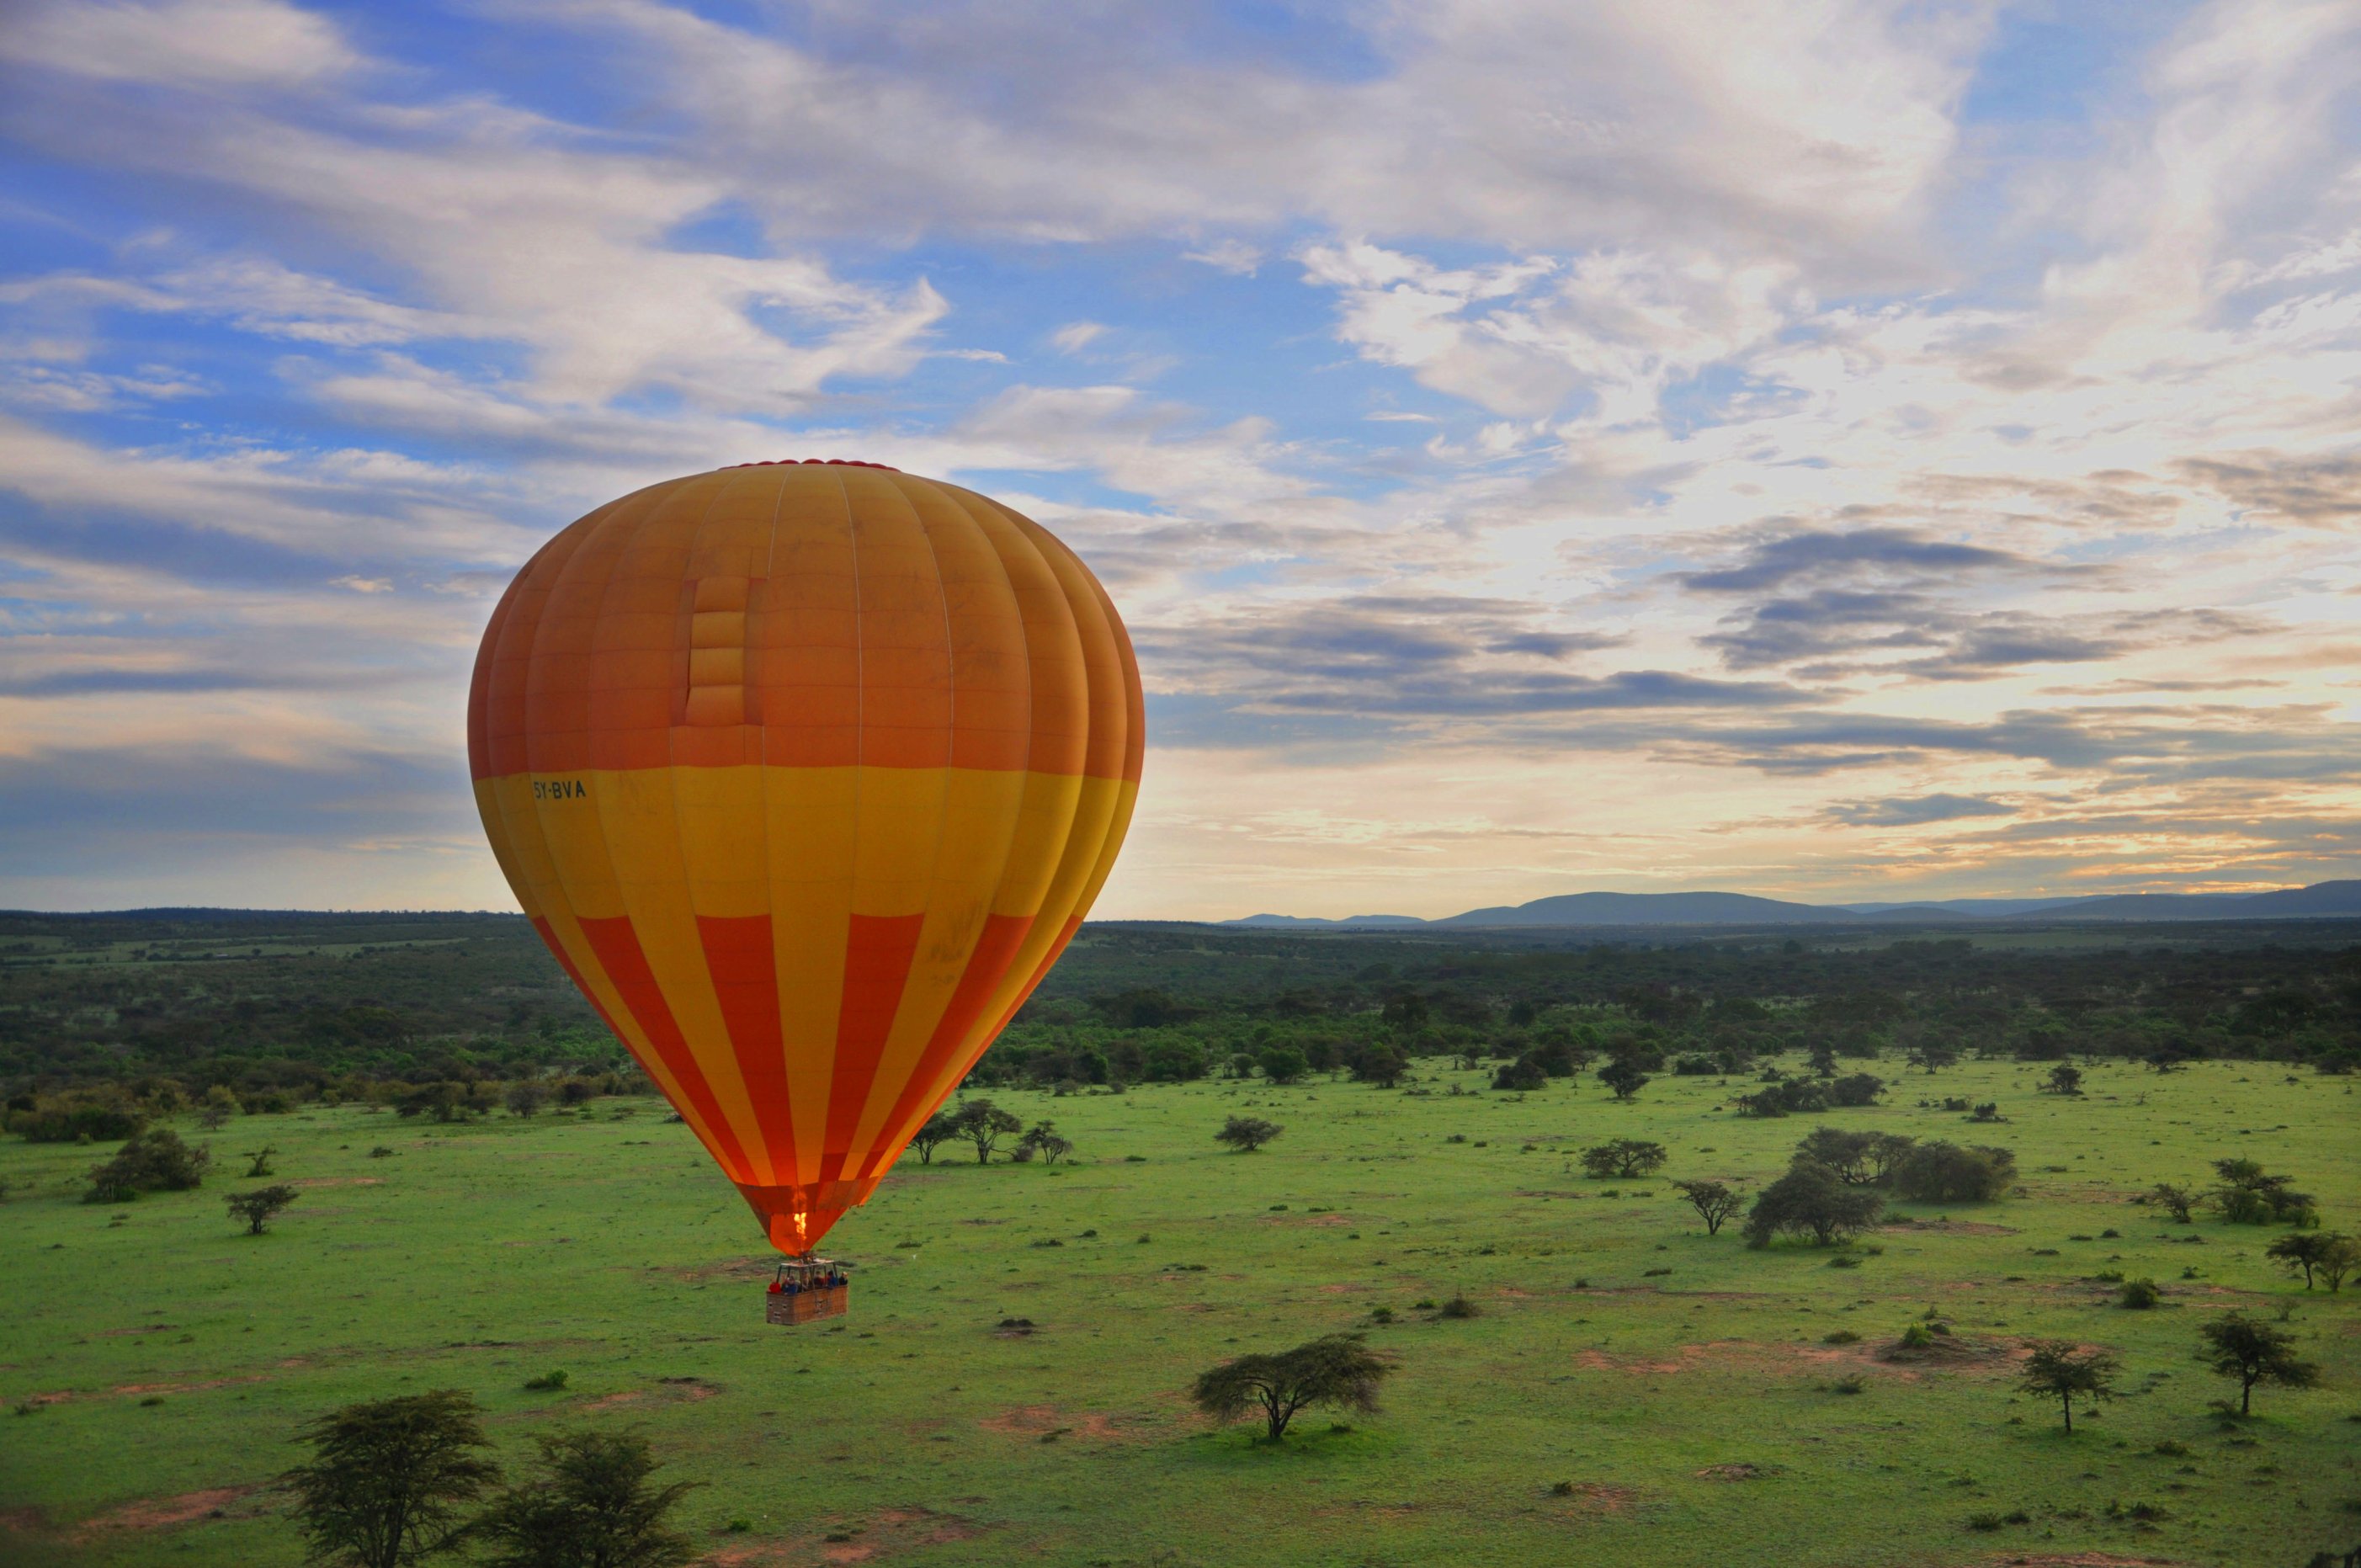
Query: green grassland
x: 1680, y: 1385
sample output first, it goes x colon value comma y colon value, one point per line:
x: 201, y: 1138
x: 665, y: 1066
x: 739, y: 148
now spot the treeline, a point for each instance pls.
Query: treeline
x: 1142, y: 1004
x: 280, y: 1009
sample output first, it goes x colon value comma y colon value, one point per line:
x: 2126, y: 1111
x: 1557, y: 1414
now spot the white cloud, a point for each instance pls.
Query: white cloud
x: 191, y: 43
x: 1232, y: 256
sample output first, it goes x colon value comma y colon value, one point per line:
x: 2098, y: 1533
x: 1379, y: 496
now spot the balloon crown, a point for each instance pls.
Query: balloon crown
x: 826, y: 462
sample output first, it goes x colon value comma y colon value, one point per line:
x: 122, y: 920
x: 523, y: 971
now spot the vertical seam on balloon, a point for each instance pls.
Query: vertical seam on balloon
x: 680, y: 836
x: 791, y: 1172
x: 1056, y: 918
x: 942, y: 814
x: 902, y: 486
x: 535, y: 809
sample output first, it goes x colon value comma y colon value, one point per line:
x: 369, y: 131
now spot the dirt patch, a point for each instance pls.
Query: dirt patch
x: 668, y: 1390
x: 1045, y: 1422
x: 749, y: 1268
x: 163, y: 1513
x: 2081, y: 1560
x: 142, y: 1329
x: 127, y: 1388
x: 1948, y: 1228
x: 1739, y: 1472
x: 1748, y: 1355
x: 23, y: 1522
x: 1320, y: 1220
x: 1592, y: 1497
x: 884, y: 1533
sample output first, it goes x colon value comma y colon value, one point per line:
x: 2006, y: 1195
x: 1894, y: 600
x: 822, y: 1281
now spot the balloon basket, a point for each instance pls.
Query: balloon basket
x: 806, y: 1289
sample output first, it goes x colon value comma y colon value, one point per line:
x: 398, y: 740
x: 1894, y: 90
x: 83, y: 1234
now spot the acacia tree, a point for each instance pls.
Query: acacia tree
x: 1622, y: 1156
x: 983, y: 1124
x: 2238, y: 1346
x: 1247, y: 1134
x: 941, y: 1128
x: 2176, y: 1201
x: 1044, y: 1139
x: 1337, y: 1369
x: 2303, y: 1252
x: 592, y: 1506
x: 1714, y: 1201
x: 387, y: 1477
x: 2342, y: 1257
x: 1810, y: 1200
x: 525, y: 1097
x: 259, y: 1207
x: 2063, y: 1079
x: 2057, y: 1370
x: 1623, y: 1077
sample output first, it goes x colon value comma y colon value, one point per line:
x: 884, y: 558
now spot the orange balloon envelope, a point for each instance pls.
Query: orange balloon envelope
x: 807, y: 773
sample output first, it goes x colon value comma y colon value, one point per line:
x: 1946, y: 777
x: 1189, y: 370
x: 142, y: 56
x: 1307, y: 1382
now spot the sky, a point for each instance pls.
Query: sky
x: 1833, y: 449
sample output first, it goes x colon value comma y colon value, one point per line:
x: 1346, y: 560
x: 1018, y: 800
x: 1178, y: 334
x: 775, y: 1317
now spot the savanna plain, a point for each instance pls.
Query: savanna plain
x: 1578, y: 1372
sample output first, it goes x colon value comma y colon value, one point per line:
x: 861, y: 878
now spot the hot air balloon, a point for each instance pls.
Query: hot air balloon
x: 807, y: 773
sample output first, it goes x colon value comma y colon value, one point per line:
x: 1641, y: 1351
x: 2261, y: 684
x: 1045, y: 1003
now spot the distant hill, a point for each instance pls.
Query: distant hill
x: 2321, y: 900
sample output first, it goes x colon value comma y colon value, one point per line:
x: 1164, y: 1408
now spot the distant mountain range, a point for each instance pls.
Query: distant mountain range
x: 2321, y: 900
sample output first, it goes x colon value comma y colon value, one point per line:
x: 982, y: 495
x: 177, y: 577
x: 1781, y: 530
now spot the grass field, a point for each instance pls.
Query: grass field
x: 1681, y: 1386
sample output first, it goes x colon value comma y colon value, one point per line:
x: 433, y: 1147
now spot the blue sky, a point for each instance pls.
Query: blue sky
x: 1828, y: 449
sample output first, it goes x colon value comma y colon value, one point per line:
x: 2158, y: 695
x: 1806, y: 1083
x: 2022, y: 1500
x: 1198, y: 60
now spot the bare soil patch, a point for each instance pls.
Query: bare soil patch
x: 668, y: 1390
x: 747, y: 1268
x: 1595, y: 1497
x: 2081, y: 1560
x: 1738, y: 1472
x: 162, y: 1513
x: 1948, y: 1228
x: 1043, y: 1422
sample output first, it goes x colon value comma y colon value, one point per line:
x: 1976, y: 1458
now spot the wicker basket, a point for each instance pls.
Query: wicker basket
x: 803, y: 1306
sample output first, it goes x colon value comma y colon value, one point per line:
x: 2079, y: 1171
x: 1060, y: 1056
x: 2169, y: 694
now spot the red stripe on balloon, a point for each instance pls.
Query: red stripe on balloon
x: 740, y: 958
x: 995, y: 949
x: 617, y: 947
x: 877, y: 953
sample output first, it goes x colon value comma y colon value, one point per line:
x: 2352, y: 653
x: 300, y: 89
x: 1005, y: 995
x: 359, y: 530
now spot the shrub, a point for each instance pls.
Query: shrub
x: 1247, y: 1134
x: 1811, y: 1200
x: 593, y: 1503
x: 1524, y: 1074
x: 259, y: 1207
x: 2139, y: 1295
x: 1283, y: 1064
x: 1459, y: 1307
x: 547, y: 1383
x: 73, y: 1118
x: 1939, y: 1172
x: 2249, y: 1196
x: 155, y: 1161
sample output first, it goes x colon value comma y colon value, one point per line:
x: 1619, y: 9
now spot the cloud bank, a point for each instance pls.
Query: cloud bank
x: 1536, y: 445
